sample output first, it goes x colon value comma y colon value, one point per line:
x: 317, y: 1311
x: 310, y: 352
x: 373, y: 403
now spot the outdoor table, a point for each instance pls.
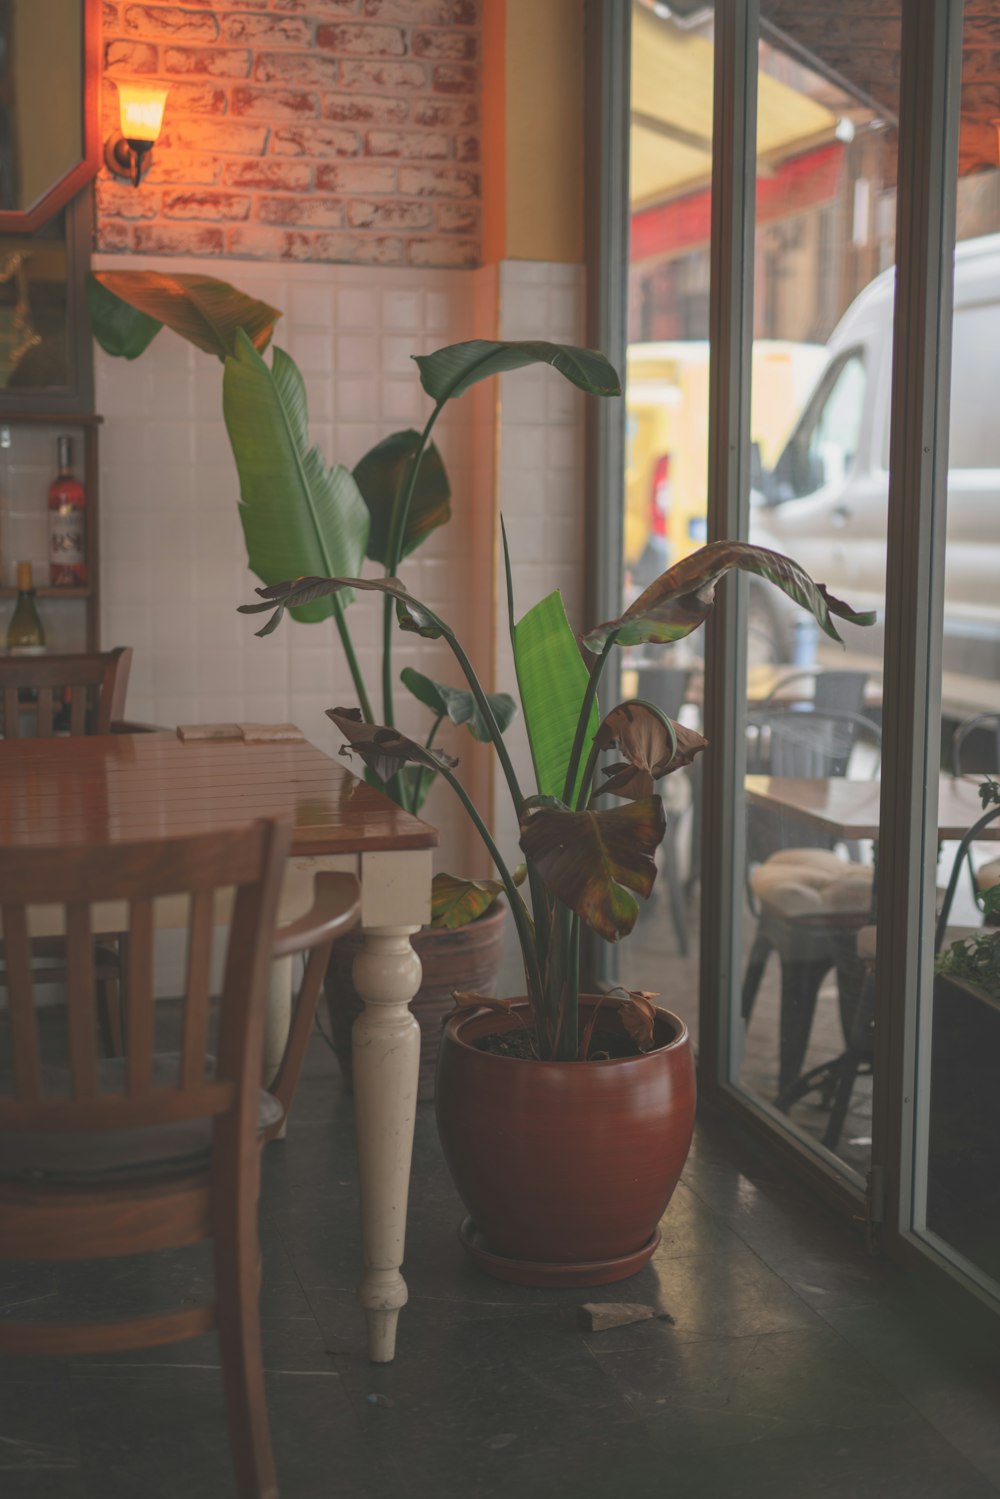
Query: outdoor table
x: 123, y: 787
x: 849, y: 810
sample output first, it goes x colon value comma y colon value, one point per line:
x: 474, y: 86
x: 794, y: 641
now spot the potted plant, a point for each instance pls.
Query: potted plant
x: 301, y: 516
x: 565, y: 1117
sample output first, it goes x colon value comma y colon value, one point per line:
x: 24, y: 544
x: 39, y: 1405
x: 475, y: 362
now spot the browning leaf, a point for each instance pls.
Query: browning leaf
x: 384, y: 750
x: 638, y: 1016
x: 652, y: 744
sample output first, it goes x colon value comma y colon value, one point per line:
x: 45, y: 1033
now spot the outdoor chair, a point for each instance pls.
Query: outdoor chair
x: 105, y: 1157
x: 828, y: 691
x: 975, y: 746
x: 804, y: 894
x: 666, y: 688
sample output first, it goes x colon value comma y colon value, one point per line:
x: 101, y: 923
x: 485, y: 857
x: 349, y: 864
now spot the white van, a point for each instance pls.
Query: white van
x: 825, y: 500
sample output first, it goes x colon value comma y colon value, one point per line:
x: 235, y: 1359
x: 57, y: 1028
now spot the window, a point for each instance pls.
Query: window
x: 825, y: 446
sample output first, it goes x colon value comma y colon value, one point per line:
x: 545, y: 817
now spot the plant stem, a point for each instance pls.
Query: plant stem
x: 520, y: 915
x: 419, y: 786
x: 397, y: 530
x: 483, y: 703
x: 352, y: 660
x: 582, y: 722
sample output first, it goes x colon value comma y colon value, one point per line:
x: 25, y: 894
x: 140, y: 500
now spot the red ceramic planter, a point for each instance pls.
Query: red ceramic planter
x: 565, y: 1168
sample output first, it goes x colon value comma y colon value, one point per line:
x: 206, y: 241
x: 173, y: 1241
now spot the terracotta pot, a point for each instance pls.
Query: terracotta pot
x: 467, y: 958
x: 565, y: 1167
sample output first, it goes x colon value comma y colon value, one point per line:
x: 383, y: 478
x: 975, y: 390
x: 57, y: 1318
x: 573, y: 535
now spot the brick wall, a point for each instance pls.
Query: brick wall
x: 313, y: 130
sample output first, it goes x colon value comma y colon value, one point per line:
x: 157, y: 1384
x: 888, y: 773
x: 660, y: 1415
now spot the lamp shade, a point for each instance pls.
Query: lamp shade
x: 141, y: 107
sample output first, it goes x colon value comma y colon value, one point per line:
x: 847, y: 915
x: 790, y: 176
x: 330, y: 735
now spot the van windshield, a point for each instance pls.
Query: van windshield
x: 824, y: 447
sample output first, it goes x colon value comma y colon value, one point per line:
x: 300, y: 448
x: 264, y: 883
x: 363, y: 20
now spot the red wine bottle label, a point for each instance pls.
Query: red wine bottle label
x: 66, y: 541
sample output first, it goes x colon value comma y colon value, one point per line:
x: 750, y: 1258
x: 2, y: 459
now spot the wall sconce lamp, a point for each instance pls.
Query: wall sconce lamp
x: 127, y: 154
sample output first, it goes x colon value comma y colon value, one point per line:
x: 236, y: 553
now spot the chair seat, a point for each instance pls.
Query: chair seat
x: 988, y: 875
x: 799, y: 883
x: 75, y: 1159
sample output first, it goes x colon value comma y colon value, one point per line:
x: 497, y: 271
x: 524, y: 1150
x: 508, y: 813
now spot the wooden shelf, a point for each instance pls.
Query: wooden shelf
x: 7, y: 592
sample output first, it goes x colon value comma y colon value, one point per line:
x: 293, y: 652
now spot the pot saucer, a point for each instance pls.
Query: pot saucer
x: 540, y: 1273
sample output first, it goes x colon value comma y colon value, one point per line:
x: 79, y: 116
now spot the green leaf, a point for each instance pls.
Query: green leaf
x: 449, y: 372
x: 552, y: 679
x: 207, y: 312
x: 456, y: 902
x: 293, y: 595
x: 298, y: 515
x: 592, y: 861
x: 683, y: 597
x: 122, y: 331
x: 382, y: 474
x: 459, y: 704
x: 418, y: 780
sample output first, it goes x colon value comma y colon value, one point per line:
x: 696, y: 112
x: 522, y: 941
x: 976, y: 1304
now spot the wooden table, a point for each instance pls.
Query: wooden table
x: 849, y: 810
x: 115, y: 788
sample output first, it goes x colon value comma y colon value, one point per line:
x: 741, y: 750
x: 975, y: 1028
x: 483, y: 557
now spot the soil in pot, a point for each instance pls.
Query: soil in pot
x: 565, y: 1168
x: 466, y: 958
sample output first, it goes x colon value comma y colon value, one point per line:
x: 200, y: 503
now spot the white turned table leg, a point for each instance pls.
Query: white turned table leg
x: 277, y: 1021
x: 386, y: 1051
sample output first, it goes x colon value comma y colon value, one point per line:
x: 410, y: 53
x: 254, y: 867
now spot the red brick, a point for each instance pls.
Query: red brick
x: 458, y: 218
x: 114, y: 234
x: 119, y: 199
x: 442, y: 114
x: 195, y: 168
x: 356, y: 177
x: 448, y: 46
x: 412, y: 12
x: 361, y: 249
x: 278, y: 176
x: 170, y: 21
x: 179, y: 239
x: 317, y: 7
x: 240, y: 138
x: 363, y: 41
x: 388, y: 213
x: 313, y: 140
x: 360, y: 110
x: 438, y: 182
x: 308, y: 212
x: 130, y: 57
x: 466, y: 12
x: 421, y: 145
x: 109, y: 15
x: 273, y: 104
x: 205, y: 203
x: 208, y: 62
x: 467, y: 148
x: 195, y: 99
x: 388, y: 76
x: 272, y: 30
x: 268, y: 244
x: 298, y: 69
x: 451, y: 78
x: 442, y: 252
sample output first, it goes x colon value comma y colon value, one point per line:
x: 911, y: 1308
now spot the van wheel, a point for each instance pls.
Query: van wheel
x: 767, y: 642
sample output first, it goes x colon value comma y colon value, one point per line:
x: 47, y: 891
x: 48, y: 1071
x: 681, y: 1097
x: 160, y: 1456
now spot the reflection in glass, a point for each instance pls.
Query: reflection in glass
x: 41, y: 122
x: 34, y: 339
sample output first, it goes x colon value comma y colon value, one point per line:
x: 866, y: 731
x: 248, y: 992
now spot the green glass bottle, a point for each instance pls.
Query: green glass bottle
x: 25, y: 636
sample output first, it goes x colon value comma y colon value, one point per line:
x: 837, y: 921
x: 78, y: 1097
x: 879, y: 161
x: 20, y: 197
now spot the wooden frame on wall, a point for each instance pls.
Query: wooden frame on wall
x: 61, y: 192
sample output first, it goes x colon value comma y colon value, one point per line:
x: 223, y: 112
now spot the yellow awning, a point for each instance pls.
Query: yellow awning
x: 672, y: 112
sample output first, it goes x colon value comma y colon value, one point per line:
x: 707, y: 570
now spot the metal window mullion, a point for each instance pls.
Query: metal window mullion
x: 930, y: 83
x: 734, y: 171
x: 607, y: 37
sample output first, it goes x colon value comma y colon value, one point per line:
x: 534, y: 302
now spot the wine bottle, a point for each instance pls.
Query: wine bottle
x: 25, y: 636
x: 67, y: 533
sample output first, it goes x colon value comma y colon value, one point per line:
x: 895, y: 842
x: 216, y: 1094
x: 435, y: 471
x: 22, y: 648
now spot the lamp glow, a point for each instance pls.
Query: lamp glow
x: 141, y: 107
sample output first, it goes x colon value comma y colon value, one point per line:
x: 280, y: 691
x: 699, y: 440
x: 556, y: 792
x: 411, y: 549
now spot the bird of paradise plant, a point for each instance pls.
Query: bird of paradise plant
x: 585, y: 863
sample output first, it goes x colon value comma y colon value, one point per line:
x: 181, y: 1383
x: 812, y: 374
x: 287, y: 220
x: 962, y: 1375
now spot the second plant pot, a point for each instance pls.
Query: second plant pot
x: 467, y: 957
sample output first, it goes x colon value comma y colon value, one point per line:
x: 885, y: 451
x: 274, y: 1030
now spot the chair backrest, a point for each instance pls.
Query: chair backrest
x: 74, y: 1096
x: 664, y: 686
x: 43, y: 695
x: 975, y: 745
x: 810, y: 743
x: 828, y: 691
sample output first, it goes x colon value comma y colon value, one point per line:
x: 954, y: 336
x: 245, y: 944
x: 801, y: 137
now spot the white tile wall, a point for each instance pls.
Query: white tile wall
x: 173, y: 559
x: 540, y: 479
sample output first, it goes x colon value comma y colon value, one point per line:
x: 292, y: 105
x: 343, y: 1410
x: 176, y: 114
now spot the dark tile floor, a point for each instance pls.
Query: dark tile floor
x: 793, y: 1368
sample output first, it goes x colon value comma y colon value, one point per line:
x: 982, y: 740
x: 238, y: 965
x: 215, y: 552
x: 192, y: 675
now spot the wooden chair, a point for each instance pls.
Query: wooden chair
x: 105, y: 1157
x: 92, y: 687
